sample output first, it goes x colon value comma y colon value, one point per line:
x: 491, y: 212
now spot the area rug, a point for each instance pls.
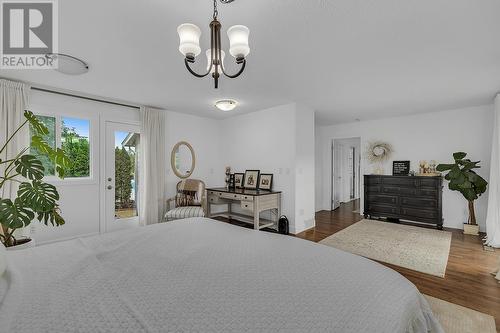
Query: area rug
x: 458, y: 319
x: 419, y: 249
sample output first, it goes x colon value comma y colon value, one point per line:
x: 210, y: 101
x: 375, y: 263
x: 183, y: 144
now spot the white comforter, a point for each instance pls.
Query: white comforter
x: 200, y: 275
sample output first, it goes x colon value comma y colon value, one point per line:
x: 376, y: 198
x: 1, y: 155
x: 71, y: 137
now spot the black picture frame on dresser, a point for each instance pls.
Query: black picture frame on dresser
x: 412, y: 198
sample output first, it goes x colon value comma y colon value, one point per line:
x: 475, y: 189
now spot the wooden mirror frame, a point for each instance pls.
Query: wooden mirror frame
x: 172, y: 160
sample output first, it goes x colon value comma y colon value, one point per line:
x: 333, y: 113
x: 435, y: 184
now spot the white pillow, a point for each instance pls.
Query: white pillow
x: 3, y: 258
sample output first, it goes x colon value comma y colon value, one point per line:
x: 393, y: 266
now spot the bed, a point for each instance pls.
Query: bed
x: 201, y: 275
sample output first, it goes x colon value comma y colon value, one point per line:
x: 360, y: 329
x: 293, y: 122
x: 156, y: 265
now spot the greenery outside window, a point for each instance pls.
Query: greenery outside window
x: 72, y: 135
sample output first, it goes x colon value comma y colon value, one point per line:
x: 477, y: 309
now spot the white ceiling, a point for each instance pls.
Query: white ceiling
x: 347, y: 59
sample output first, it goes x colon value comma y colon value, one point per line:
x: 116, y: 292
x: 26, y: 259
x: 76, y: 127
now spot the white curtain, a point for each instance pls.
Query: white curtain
x: 493, y: 216
x: 152, y: 167
x: 14, y: 99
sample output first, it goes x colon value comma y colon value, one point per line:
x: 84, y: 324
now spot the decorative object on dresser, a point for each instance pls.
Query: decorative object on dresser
x: 183, y: 159
x: 378, y: 152
x: 188, y: 202
x: 463, y: 179
x: 250, y: 201
x: 400, y: 168
x: 238, y: 180
x: 231, y: 181
x: 266, y: 181
x: 428, y: 169
x: 251, y: 180
x: 410, y: 198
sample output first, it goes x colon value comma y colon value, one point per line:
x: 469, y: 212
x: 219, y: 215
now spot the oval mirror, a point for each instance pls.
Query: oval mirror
x: 183, y: 159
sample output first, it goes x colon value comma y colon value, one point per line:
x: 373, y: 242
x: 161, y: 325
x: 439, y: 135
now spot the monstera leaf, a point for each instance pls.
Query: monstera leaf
x: 41, y: 145
x: 30, y: 167
x: 62, y: 162
x: 14, y: 215
x: 53, y: 217
x: 39, y: 196
x: 37, y: 125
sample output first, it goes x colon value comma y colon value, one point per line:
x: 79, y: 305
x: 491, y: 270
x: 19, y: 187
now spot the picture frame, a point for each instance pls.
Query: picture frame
x: 400, y: 168
x: 251, y: 180
x: 266, y: 181
x: 238, y: 180
x: 231, y: 180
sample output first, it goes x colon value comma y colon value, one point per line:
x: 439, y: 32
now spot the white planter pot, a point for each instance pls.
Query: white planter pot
x: 23, y: 246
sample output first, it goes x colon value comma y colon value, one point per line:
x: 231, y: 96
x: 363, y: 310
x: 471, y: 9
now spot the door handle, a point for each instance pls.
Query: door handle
x: 109, y: 187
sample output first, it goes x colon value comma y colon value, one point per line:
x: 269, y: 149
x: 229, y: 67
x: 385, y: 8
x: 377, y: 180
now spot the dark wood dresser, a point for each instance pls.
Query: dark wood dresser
x: 410, y: 198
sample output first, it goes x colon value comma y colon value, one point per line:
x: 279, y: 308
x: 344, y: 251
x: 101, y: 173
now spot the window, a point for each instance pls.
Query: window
x: 72, y: 135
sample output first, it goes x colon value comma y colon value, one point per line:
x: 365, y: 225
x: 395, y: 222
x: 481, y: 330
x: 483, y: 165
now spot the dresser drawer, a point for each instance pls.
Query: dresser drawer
x: 398, y: 190
x: 421, y: 213
x: 406, y: 181
x: 428, y: 192
x: 373, y: 188
x: 381, y: 209
x: 424, y: 203
x: 370, y: 180
x: 430, y: 181
x: 247, y: 205
x: 383, y: 199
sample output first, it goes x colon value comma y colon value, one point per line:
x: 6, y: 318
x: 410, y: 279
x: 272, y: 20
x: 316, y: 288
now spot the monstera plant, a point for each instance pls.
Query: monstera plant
x: 35, y: 199
x: 462, y: 178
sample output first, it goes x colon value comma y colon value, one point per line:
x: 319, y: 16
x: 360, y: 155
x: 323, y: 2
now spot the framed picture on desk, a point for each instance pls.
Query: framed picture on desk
x: 266, y: 181
x: 238, y: 180
x: 251, y: 180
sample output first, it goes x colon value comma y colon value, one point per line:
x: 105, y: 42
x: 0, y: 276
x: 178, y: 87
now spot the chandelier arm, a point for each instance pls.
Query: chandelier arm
x: 193, y: 72
x: 243, y: 64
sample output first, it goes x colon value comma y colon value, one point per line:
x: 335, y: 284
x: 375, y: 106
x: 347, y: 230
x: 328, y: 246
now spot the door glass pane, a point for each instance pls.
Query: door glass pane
x: 126, y: 174
x: 76, y: 143
x: 50, y: 138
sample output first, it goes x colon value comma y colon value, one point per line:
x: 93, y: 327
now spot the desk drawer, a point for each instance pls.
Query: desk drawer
x: 231, y: 196
x: 213, y: 198
x: 247, y: 205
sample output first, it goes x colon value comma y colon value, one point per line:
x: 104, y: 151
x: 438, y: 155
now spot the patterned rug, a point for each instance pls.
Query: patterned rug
x: 420, y: 249
x: 458, y: 319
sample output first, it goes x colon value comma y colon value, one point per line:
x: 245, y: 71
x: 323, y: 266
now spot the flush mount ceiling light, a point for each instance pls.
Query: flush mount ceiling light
x: 226, y: 104
x: 67, y: 64
x: 189, y: 46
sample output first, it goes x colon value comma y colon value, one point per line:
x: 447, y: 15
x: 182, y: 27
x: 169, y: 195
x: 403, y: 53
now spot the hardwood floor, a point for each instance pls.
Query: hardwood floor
x: 468, y: 281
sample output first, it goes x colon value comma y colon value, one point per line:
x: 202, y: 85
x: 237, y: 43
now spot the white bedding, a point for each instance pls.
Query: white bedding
x: 200, y: 275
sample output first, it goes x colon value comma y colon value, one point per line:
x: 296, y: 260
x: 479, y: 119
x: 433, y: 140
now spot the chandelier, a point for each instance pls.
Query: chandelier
x: 189, y: 46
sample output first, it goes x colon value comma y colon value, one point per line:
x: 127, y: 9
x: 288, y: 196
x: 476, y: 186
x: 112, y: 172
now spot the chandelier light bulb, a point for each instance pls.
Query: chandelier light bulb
x: 238, y: 41
x: 209, y: 59
x: 189, y: 39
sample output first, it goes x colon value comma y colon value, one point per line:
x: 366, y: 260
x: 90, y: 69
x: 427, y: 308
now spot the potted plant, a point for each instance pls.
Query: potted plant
x: 35, y: 199
x: 462, y: 178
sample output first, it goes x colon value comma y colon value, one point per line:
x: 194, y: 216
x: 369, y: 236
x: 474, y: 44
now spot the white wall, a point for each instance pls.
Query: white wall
x: 265, y: 141
x: 205, y: 136
x: 432, y: 136
x: 304, y: 168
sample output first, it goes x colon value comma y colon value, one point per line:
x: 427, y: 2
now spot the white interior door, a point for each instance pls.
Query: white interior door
x: 121, y: 175
x: 337, y: 174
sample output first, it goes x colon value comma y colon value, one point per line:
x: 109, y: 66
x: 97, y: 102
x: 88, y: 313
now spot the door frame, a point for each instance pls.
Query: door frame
x: 102, y: 167
x: 332, y: 169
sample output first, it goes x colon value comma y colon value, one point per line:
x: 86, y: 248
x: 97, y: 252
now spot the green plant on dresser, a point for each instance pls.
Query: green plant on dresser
x: 462, y: 178
x: 35, y: 199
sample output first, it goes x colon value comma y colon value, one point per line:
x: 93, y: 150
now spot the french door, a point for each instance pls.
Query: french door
x: 121, y: 175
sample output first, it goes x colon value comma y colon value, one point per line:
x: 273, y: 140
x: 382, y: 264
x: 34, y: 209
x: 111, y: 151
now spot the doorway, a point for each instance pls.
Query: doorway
x: 121, y: 175
x: 346, y: 170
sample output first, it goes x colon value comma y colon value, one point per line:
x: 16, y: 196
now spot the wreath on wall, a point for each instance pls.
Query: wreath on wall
x: 378, y: 151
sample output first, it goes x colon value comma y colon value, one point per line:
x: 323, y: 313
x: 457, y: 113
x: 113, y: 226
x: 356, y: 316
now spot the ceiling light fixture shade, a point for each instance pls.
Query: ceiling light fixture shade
x: 226, y: 104
x: 209, y: 60
x: 189, y: 39
x: 67, y: 64
x: 238, y: 41
x: 189, y: 36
